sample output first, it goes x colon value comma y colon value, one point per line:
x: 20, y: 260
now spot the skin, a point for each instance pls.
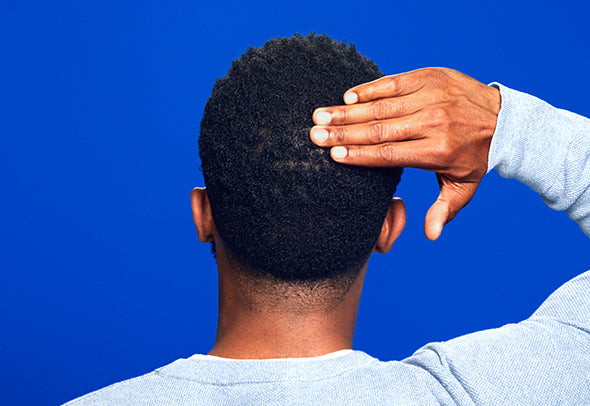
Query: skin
x: 258, y: 332
x: 435, y: 119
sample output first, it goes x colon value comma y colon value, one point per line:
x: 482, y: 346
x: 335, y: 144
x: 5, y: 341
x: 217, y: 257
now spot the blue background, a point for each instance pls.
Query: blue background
x: 102, y: 278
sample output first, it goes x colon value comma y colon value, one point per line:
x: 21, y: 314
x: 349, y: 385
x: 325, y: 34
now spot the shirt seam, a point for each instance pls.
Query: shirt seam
x: 163, y: 375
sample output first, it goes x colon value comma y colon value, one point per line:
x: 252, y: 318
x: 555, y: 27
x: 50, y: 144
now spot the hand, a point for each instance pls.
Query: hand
x: 435, y: 119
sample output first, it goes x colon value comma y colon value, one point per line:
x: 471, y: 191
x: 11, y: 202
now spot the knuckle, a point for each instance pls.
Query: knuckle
x: 444, y: 148
x: 338, y: 135
x: 439, y: 117
x: 445, y: 151
x: 339, y: 115
x: 437, y: 75
x: 377, y: 133
x: 380, y: 109
x: 392, y: 83
x: 439, y: 95
x: 385, y: 153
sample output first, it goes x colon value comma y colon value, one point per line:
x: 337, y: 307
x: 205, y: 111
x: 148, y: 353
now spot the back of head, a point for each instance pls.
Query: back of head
x: 283, y: 208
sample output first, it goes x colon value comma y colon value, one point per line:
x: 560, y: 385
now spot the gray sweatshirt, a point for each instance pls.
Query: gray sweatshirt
x: 544, y: 360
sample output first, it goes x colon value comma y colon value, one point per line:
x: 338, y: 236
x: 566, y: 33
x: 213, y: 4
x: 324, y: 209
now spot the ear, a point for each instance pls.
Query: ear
x: 202, y: 214
x: 394, y: 223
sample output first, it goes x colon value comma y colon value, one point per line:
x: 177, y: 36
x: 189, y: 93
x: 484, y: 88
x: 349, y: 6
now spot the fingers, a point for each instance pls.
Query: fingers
x: 414, y: 153
x: 388, y: 97
x: 452, y: 198
x: 388, y: 86
x: 374, y: 132
x: 375, y: 110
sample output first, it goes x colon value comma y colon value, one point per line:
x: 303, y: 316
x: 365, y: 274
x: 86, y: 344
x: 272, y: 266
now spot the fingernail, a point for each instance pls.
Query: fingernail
x: 438, y: 229
x: 323, y: 117
x: 339, y: 152
x: 350, y: 98
x: 320, y: 135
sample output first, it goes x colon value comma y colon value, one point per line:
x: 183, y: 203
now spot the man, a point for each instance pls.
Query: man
x: 293, y: 224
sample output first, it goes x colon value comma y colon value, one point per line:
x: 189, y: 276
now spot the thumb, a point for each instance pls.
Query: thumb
x: 452, y: 198
x: 436, y: 218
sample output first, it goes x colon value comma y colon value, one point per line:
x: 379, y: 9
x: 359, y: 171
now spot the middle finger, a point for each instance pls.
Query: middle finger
x: 374, y: 110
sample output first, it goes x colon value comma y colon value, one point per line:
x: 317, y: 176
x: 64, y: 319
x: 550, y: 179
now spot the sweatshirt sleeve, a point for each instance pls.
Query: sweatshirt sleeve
x: 545, y: 359
x: 546, y: 148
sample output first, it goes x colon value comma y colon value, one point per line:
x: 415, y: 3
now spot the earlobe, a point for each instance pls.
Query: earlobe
x: 202, y: 214
x: 393, y: 225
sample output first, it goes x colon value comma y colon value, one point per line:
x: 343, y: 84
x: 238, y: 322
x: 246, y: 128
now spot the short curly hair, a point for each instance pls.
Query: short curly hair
x: 283, y: 208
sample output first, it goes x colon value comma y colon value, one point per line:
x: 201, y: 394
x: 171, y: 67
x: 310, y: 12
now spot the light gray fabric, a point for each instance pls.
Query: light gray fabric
x: 545, y: 148
x: 544, y: 360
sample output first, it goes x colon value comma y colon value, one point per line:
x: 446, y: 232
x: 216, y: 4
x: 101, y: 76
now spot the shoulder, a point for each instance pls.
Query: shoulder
x: 154, y: 388
x: 130, y: 391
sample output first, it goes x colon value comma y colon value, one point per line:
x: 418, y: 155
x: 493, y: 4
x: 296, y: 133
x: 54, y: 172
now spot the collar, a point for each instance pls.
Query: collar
x: 225, y: 371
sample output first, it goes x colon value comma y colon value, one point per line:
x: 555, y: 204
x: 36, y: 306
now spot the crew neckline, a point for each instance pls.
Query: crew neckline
x: 330, y: 355
x: 224, y: 371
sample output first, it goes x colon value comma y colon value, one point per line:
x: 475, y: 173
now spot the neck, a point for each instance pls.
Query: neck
x: 245, y: 331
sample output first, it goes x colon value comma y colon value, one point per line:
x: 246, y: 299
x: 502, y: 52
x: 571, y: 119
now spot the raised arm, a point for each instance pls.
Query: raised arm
x: 439, y: 120
x: 546, y: 148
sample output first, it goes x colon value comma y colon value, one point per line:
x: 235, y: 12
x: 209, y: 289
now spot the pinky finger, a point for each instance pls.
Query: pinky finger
x: 414, y: 153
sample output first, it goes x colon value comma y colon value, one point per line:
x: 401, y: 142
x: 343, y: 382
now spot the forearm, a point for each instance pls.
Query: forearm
x: 546, y: 148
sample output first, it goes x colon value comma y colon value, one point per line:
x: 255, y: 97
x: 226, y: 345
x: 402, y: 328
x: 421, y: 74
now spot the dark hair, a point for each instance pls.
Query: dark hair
x: 283, y: 208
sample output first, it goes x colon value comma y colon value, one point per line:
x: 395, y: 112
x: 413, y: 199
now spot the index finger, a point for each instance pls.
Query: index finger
x: 388, y: 86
